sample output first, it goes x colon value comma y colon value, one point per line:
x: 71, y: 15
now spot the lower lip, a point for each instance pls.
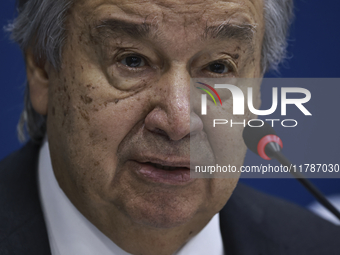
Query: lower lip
x: 180, y: 176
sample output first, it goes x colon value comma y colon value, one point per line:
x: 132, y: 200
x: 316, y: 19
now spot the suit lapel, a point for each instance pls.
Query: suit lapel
x: 22, y: 225
x: 243, y: 226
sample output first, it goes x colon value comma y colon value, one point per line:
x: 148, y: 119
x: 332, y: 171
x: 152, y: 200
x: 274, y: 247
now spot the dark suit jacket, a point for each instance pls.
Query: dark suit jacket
x: 252, y: 223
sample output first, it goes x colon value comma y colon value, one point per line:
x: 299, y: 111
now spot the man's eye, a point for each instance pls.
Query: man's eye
x: 218, y: 68
x: 133, y: 61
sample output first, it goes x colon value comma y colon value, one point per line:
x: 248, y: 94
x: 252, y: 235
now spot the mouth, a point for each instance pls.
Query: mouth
x: 164, y: 172
x: 168, y: 168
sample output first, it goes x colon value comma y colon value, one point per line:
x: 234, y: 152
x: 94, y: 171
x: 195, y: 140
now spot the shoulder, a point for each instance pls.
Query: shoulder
x: 254, y: 219
x: 21, y: 219
x: 18, y: 161
x: 18, y: 179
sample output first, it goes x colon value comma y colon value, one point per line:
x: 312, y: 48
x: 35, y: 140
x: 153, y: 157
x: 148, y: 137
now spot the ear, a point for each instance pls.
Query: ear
x: 38, y: 83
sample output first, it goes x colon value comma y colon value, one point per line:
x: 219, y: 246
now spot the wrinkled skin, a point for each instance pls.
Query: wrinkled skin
x: 103, y: 115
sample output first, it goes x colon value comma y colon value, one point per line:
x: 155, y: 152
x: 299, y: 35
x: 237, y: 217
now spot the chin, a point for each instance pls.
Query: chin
x: 158, y: 212
x: 163, y: 218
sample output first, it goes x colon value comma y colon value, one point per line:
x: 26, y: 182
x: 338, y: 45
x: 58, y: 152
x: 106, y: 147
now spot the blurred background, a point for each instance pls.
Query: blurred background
x: 313, y: 52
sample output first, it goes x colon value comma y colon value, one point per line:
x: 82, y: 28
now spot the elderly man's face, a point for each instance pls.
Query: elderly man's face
x: 120, y: 105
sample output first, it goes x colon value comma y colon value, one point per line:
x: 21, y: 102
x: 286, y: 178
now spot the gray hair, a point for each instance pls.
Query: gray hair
x: 41, y: 25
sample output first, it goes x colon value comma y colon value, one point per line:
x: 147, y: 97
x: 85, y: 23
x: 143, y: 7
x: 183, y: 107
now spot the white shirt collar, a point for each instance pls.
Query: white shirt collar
x: 70, y: 233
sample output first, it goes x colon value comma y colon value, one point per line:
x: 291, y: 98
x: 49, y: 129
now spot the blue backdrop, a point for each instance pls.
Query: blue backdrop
x: 314, y: 52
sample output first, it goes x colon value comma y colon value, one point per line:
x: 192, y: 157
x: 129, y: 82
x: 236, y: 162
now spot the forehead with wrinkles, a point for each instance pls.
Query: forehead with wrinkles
x: 177, y: 23
x: 188, y: 12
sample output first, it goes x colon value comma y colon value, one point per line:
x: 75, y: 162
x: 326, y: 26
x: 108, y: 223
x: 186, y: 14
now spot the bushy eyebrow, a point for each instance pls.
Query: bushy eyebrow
x: 225, y: 31
x: 119, y: 27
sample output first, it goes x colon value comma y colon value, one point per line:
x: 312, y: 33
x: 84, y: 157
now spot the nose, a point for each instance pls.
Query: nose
x: 171, y: 115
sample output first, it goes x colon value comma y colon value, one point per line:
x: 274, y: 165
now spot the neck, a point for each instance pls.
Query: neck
x: 138, y: 238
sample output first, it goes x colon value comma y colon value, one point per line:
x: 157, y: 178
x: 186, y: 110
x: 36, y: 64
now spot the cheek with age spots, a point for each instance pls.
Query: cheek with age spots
x: 86, y: 99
